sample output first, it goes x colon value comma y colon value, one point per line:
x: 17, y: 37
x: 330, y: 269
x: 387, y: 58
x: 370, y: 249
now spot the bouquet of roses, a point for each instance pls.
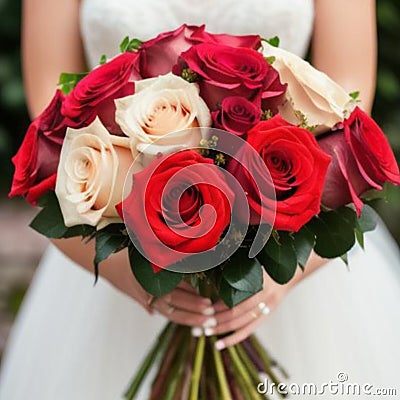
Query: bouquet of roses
x: 210, y: 157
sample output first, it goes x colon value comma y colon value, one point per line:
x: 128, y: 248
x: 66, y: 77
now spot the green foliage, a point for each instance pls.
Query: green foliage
x: 129, y: 44
x: 354, y: 95
x: 156, y: 283
x: 279, y: 258
x: 50, y: 222
x: 243, y: 273
x: 68, y: 81
x: 274, y: 41
x: 109, y: 240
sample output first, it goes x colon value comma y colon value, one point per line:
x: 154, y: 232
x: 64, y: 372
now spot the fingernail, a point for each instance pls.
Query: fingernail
x: 209, y: 331
x: 206, y: 301
x: 210, y: 323
x: 197, y: 331
x: 209, y: 311
x: 220, y: 345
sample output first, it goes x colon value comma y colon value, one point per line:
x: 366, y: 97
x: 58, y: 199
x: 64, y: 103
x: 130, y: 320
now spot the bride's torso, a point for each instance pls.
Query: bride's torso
x: 105, y: 23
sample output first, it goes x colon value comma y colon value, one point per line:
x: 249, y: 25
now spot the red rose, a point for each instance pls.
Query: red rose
x: 201, y: 36
x: 297, y: 167
x: 37, y: 159
x: 362, y: 160
x: 96, y: 92
x: 231, y: 71
x: 161, y: 53
x: 237, y: 115
x: 174, y: 211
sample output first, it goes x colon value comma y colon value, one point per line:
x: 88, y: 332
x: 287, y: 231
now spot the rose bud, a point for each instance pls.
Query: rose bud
x: 362, y: 159
x: 237, y: 115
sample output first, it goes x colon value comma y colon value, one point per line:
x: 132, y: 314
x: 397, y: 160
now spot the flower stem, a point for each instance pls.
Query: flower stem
x: 160, y: 343
x: 219, y: 366
x: 177, y: 368
x: 258, y: 347
x: 243, y: 374
x: 197, y: 366
x: 161, y: 379
x: 248, y: 364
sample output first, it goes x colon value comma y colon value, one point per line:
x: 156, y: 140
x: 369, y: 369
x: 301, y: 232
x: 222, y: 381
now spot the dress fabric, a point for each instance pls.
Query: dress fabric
x: 76, y: 341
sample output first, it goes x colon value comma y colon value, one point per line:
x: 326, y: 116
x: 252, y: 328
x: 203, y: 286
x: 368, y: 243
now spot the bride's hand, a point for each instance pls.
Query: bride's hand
x: 183, y: 305
x: 241, y: 321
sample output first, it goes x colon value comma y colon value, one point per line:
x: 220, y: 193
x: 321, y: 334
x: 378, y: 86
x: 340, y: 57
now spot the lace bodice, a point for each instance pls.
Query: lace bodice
x: 105, y: 23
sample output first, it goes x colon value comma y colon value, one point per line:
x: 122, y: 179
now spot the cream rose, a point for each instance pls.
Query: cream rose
x: 160, y: 112
x: 91, y: 175
x: 319, y: 98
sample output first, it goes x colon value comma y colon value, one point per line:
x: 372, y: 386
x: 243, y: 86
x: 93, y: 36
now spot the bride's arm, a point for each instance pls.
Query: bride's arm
x: 51, y: 43
x: 344, y: 45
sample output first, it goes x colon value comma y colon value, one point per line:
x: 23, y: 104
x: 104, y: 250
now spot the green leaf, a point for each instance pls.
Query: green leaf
x: 49, y: 221
x: 134, y: 44
x: 243, y: 273
x: 334, y: 231
x: 354, y: 95
x: 103, y: 59
x: 124, y: 44
x: 231, y: 296
x: 345, y: 258
x: 360, y: 237
x: 279, y: 260
x: 270, y: 60
x: 156, y: 283
x: 68, y: 81
x: 274, y: 41
x: 108, y: 243
x: 129, y: 44
x: 368, y: 219
x: 303, y: 242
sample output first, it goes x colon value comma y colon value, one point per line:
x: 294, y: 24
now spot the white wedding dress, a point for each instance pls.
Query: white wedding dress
x: 76, y: 341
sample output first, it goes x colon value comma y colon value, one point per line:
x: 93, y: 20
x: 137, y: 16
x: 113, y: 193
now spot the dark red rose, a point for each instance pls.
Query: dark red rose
x: 237, y: 115
x: 361, y: 160
x: 172, y: 207
x: 161, y: 53
x: 201, y: 36
x: 37, y: 159
x: 94, y: 95
x: 297, y: 167
x: 231, y: 71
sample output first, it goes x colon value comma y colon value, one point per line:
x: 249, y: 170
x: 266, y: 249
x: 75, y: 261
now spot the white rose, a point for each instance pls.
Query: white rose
x: 91, y: 175
x: 160, y: 112
x: 313, y: 93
